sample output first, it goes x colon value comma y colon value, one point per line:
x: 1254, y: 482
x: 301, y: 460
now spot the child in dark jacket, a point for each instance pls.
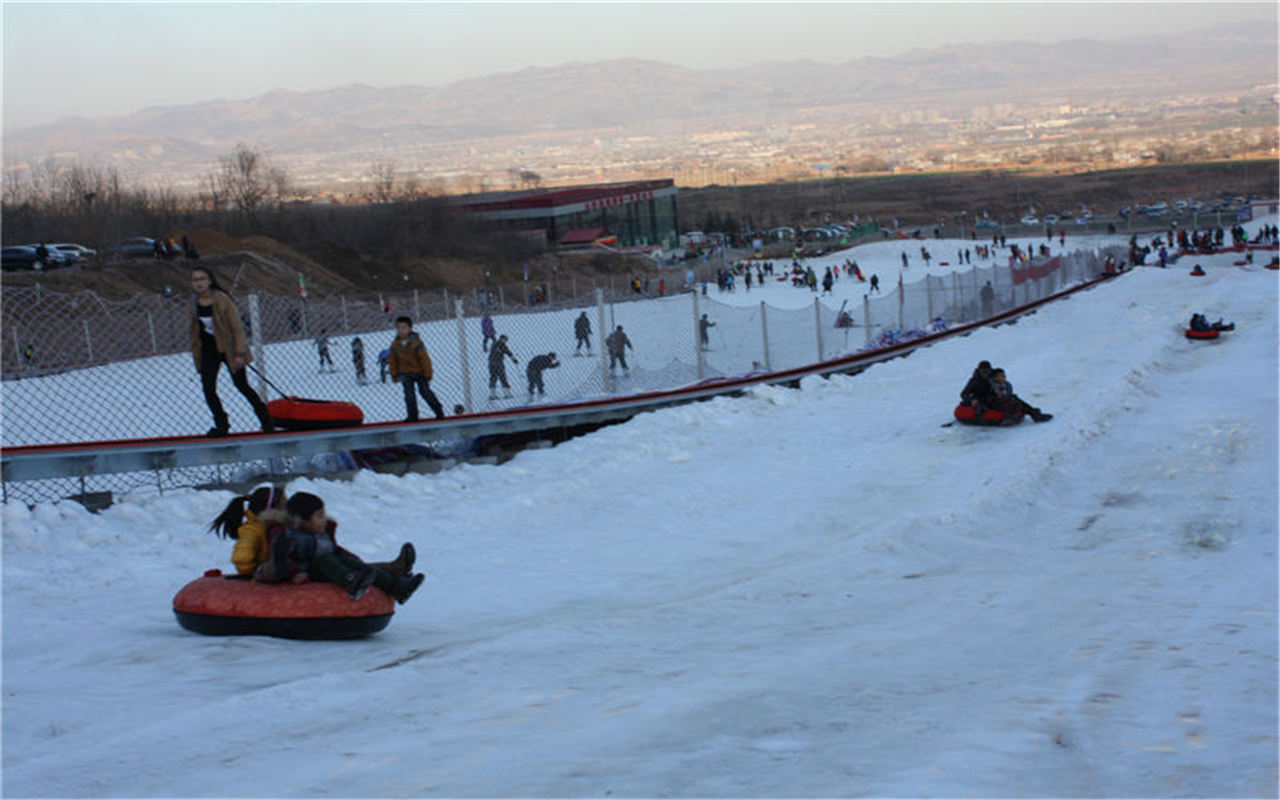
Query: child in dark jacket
x: 306, y: 550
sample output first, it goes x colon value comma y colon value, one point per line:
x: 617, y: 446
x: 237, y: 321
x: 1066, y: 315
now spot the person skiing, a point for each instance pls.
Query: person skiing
x: 618, y: 344
x: 498, y: 367
x: 410, y: 365
x: 533, y: 371
x: 582, y: 332
x: 322, y: 347
x: 357, y: 360
x: 875, y: 282
x: 217, y: 338
x: 703, y: 325
x: 827, y: 281
x: 486, y: 328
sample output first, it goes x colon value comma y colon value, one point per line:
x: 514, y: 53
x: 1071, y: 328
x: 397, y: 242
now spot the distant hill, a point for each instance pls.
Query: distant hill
x: 632, y: 92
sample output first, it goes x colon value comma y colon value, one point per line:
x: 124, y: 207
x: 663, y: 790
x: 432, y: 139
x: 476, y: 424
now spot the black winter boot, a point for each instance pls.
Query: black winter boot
x: 404, y: 587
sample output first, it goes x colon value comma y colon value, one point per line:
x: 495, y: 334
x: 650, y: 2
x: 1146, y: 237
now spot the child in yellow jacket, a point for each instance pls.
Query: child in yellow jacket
x: 246, y: 519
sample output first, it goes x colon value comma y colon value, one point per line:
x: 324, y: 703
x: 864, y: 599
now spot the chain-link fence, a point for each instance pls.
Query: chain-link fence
x: 77, y: 367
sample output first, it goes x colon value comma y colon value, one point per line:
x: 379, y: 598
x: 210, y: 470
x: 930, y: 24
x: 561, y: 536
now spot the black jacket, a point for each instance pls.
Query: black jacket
x: 978, y: 388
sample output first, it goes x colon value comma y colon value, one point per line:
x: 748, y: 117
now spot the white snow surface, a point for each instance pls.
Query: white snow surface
x: 814, y: 592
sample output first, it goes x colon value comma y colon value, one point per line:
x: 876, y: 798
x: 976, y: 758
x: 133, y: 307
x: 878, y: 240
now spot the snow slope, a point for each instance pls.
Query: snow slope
x: 814, y: 592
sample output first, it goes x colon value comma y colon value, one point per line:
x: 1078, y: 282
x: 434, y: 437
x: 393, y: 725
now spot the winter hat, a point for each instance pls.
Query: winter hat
x: 302, y: 505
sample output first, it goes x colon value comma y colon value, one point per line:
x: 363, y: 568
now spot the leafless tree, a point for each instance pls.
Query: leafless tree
x: 383, y: 175
x: 248, y: 179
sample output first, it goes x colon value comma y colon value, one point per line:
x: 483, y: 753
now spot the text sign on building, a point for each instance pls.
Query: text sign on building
x: 618, y: 200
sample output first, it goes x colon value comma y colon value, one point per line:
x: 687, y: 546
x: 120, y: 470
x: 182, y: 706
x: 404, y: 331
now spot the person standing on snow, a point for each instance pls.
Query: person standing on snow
x: 875, y: 283
x: 618, y: 344
x: 488, y: 331
x: 703, y: 325
x: 410, y: 365
x: 322, y: 347
x: 357, y: 360
x: 537, y: 365
x: 582, y: 332
x: 498, y: 367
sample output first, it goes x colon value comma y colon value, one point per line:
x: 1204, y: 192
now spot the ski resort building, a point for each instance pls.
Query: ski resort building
x: 637, y: 214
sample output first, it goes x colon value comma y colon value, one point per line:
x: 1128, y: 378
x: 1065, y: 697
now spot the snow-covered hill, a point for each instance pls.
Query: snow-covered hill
x: 813, y: 592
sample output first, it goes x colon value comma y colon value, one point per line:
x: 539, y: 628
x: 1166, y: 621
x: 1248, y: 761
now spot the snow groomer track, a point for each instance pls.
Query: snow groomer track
x: 81, y: 459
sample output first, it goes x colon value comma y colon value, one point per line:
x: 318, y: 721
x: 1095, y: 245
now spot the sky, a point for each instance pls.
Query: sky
x: 112, y: 59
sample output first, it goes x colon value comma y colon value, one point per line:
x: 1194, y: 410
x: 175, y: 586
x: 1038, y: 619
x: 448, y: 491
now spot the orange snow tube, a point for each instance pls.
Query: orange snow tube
x: 1210, y: 334
x: 218, y: 605
x: 969, y: 416
x: 301, y: 414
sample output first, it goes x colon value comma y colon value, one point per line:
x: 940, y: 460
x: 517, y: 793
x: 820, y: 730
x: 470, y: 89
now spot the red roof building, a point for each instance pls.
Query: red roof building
x: 637, y: 213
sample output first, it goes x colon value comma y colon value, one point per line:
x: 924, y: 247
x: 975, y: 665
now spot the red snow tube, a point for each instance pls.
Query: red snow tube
x: 218, y: 605
x: 1273, y: 265
x: 969, y: 416
x: 1211, y: 334
x: 1197, y: 273
x: 301, y: 414
x: 1240, y: 263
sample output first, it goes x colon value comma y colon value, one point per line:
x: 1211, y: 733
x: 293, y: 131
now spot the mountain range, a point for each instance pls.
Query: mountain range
x: 636, y: 95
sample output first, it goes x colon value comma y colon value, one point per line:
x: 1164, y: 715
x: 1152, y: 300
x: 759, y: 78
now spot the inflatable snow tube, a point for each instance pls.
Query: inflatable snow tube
x: 1197, y: 273
x: 1211, y: 334
x: 301, y: 414
x: 218, y: 605
x: 969, y: 416
x: 1273, y: 265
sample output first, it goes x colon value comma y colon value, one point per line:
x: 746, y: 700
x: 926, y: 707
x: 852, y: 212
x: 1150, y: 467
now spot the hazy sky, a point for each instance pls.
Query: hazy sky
x: 112, y: 59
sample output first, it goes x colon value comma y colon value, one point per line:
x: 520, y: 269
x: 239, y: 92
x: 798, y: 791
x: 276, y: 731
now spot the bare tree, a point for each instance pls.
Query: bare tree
x: 383, y: 175
x: 248, y: 179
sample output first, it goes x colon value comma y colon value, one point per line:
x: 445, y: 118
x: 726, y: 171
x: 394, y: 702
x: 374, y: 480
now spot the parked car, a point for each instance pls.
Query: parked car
x: 76, y: 252
x: 1049, y: 219
x: 1029, y: 219
x: 133, y: 247
x: 18, y: 257
x: 986, y: 223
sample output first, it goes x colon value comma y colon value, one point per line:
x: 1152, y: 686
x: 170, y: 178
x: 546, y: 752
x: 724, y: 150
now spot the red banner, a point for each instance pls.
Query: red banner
x: 1036, y: 271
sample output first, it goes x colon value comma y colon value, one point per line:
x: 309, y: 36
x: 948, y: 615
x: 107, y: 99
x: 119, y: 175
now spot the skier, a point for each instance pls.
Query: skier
x: 487, y: 329
x: 357, y: 360
x: 827, y: 280
x: 498, y: 367
x: 322, y: 347
x: 410, y: 365
x: 618, y: 344
x: 582, y: 332
x: 537, y: 365
x: 875, y: 283
x: 703, y: 324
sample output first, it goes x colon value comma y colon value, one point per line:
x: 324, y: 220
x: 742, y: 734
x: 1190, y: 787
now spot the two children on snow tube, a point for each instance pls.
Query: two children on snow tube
x: 281, y: 538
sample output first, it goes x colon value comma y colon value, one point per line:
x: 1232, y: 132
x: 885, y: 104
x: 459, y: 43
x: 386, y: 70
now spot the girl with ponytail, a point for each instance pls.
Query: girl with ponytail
x: 246, y: 519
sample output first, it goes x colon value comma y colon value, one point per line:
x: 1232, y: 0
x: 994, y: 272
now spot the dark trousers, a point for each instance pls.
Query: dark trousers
x: 618, y: 358
x: 210, y: 362
x: 423, y: 386
x: 498, y: 373
x: 535, y: 382
x: 336, y: 567
x: 584, y: 339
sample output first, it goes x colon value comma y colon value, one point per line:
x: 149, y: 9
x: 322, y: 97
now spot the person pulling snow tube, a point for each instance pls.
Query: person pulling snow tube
x: 969, y: 416
x: 302, y: 414
x: 226, y: 605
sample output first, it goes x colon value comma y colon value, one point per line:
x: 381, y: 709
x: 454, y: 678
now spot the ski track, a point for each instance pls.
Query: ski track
x: 791, y: 593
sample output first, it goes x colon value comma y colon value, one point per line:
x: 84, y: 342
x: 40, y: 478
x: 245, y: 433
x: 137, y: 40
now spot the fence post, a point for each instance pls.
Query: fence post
x: 697, y: 338
x: 866, y: 317
x: 573, y: 287
x: 817, y: 325
x: 928, y: 290
x: 462, y: 352
x: 955, y: 284
x: 604, y: 355
x: 502, y: 297
x: 764, y: 335
x: 87, y: 340
x: 446, y: 299
x: 255, y: 334
x: 151, y: 326
x: 346, y: 324
x: 417, y: 308
x: 902, y: 299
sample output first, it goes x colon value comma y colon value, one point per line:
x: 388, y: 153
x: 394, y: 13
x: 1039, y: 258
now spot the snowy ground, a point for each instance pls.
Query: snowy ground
x: 814, y: 592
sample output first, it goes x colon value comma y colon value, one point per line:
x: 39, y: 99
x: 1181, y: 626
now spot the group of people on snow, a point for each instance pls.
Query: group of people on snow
x: 281, y: 538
